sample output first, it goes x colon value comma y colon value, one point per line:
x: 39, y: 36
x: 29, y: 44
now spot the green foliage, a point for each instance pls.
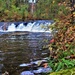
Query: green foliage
x: 64, y: 38
x: 64, y: 35
x: 64, y: 72
x: 62, y: 49
x: 61, y: 64
x: 44, y: 9
x: 10, y: 11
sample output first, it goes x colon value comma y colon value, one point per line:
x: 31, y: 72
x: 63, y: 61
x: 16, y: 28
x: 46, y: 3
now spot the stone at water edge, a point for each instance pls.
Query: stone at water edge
x: 42, y: 70
x: 24, y: 65
x: 38, y: 62
x: 27, y: 73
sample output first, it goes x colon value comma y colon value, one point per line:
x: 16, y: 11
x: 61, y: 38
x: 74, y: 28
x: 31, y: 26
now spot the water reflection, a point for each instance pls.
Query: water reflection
x: 19, y: 47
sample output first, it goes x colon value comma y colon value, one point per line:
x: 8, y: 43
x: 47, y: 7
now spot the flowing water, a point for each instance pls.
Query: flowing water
x: 21, y: 42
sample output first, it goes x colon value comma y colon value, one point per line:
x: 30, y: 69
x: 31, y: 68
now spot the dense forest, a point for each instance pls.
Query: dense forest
x: 21, y: 10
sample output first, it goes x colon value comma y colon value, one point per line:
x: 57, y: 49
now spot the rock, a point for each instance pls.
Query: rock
x: 42, y: 70
x: 38, y: 62
x: 27, y: 73
x: 24, y: 65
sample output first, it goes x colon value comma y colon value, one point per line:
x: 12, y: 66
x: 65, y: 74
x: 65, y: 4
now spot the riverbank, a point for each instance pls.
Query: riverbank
x: 64, y: 72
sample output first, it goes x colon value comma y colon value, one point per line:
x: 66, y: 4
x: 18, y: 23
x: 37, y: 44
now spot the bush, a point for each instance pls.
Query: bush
x: 62, y: 46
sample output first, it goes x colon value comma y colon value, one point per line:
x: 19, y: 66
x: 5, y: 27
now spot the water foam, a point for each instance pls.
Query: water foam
x: 36, y: 26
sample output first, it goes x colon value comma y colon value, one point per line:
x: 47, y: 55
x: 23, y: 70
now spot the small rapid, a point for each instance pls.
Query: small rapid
x: 31, y: 26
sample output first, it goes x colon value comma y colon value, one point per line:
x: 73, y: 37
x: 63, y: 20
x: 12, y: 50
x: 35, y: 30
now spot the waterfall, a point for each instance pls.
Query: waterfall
x: 31, y: 26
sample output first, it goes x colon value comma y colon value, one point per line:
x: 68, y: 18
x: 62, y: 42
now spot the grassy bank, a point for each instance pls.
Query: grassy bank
x: 64, y: 72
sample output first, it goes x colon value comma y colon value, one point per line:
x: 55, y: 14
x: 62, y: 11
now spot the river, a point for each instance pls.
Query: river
x: 18, y: 46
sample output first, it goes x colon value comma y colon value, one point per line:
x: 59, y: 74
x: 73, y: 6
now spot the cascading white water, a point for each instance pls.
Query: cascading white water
x: 36, y: 26
x: 20, y: 27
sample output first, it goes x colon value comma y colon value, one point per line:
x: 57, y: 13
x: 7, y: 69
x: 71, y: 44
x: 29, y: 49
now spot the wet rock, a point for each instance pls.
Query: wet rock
x: 42, y: 70
x: 27, y: 73
x: 38, y: 62
x: 36, y: 67
x: 24, y: 65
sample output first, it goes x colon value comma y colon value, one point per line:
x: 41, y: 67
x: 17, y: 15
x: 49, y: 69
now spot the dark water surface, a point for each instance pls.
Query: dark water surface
x: 20, y: 47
